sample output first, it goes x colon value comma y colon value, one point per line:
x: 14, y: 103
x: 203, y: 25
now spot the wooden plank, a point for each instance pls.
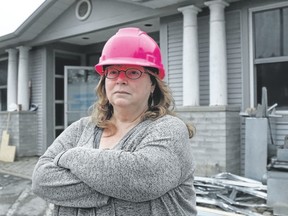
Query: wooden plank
x: 7, y: 153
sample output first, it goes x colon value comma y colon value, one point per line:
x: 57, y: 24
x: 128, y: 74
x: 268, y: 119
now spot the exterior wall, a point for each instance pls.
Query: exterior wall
x: 174, y: 56
x: 217, y: 139
x: 234, y: 57
x: 37, y: 77
x: 203, y: 38
x: 22, y: 130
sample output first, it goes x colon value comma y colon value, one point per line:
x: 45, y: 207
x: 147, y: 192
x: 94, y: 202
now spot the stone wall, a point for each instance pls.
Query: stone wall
x: 22, y: 129
x: 217, y: 140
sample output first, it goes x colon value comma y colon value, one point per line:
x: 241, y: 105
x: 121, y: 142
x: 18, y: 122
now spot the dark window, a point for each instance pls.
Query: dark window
x: 92, y: 59
x: 3, y: 73
x: 274, y: 76
x: 59, y: 114
x: 3, y: 85
x: 59, y: 88
x: 3, y: 98
x: 58, y: 132
x: 61, y: 61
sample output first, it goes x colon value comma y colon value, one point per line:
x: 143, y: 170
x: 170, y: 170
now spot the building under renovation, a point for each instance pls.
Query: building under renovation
x: 226, y: 64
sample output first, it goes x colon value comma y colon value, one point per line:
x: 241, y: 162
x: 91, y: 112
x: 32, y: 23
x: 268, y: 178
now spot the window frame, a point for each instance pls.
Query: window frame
x: 253, y: 61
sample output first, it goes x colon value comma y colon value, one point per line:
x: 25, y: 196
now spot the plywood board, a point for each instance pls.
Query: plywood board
x: 7, y: 153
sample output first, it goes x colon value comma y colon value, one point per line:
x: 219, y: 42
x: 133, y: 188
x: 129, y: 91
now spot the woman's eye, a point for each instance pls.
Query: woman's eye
x: 134, y: 72
x: 113, y: 72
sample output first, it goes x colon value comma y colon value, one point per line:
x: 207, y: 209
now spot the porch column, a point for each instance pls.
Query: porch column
x: 12, y: 77
x: 190, y: 56
x: 23, y: 78
x: 218, y: 56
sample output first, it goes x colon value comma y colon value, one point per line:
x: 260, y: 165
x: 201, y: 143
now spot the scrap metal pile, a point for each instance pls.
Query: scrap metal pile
x: 232, y: 193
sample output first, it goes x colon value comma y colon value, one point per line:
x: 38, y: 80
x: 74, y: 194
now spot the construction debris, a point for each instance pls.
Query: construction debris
x: 232, y: 193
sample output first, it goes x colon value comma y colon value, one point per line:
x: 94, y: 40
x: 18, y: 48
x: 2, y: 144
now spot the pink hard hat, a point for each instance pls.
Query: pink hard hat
x: 131, y: 46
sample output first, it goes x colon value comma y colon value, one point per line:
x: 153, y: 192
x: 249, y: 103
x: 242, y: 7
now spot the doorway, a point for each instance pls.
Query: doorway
x: 61, y: 60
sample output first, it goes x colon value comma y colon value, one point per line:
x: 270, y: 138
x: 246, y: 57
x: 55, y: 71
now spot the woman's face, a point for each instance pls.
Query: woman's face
x: 124, y: 92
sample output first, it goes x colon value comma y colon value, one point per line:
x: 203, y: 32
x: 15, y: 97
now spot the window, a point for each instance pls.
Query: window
x: 276, y: 84
x: 270, y: 39
x: 3, y: 84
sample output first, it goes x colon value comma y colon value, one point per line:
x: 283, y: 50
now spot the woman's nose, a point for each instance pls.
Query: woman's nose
x: 122, y: 77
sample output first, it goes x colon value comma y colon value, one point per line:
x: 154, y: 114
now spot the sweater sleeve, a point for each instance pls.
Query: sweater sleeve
x: 57, y: 184
x: 147, y: 173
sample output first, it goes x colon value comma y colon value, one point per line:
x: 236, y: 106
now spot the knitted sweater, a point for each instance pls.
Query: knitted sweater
x: 149, y: 172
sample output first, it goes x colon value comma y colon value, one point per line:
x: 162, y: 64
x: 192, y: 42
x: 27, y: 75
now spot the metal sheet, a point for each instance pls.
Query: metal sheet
x: 232, y: 193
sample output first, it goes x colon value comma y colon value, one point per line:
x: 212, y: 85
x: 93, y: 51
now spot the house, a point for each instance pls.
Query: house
x: 218, y: 55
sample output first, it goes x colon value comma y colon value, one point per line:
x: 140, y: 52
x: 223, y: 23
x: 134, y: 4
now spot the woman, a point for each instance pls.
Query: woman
x: 132, y: 156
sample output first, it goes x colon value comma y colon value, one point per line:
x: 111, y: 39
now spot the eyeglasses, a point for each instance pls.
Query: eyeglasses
x: 131, y: 73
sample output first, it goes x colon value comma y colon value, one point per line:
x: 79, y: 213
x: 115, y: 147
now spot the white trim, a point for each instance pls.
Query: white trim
x: 59, y: 51
x: 251, y: 50
x: 58, y: 76
x: 271, y: 60
x: 270, y: 6
x: 251, y: 64
x: 4, y: 59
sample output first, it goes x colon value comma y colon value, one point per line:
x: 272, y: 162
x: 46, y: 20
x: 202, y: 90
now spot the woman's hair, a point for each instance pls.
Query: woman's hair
x: 160, y: 103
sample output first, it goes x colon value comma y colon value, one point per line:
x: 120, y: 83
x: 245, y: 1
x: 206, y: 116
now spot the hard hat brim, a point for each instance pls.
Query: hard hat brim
x: 127, y: 61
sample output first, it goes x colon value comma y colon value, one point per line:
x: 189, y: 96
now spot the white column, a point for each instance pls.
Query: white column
x: 190, y: 56
x: 218, y: 56
x: 23, y: 78
x: 12, y: 77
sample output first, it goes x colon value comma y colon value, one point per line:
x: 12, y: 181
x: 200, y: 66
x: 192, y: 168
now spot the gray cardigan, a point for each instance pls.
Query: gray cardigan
x: 149, y: 172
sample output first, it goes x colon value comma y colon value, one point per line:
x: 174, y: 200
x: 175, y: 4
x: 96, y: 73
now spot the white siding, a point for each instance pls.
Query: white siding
x: 175, y: 47
x: 234, y: 76
x: 281, y: 130
x: 36, y: 63
x: 203, y: 41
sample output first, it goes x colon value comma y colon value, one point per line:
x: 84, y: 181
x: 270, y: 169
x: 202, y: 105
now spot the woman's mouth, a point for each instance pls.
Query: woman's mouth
x: 121, y: 92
